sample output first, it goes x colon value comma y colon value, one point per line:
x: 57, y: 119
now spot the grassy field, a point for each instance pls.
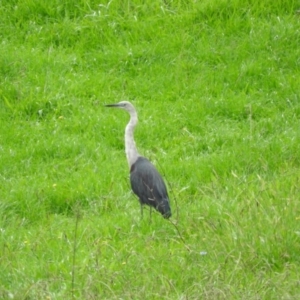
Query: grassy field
x: 216, y: 85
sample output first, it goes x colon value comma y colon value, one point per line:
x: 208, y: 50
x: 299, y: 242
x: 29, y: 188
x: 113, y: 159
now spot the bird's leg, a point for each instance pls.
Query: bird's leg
x: 150, y: 214
x: 141, y: 211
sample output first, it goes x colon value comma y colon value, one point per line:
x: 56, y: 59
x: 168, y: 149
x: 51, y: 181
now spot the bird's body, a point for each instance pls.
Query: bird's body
x: 145, y: 180
x: 149, y: 186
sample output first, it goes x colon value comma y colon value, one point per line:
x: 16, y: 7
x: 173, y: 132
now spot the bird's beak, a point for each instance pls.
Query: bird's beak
x: 112, y: 105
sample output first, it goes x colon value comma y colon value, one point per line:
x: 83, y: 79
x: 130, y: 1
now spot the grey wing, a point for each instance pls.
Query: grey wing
x: 149, y: 186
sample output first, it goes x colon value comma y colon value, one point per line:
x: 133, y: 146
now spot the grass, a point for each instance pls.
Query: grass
x: 216, y: 85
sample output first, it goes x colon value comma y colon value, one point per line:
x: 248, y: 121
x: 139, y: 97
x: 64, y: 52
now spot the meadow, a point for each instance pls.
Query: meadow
x: 216, y: 85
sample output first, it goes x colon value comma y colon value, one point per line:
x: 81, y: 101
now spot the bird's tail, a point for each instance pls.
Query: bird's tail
x: 164, y: 208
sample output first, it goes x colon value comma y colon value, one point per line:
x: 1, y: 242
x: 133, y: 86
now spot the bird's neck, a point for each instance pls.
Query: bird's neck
x: 130, y: 147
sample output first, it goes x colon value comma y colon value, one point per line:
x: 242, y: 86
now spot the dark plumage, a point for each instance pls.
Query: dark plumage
x: 149, y: 186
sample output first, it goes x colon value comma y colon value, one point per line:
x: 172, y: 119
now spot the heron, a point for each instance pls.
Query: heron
x: 145, y: 180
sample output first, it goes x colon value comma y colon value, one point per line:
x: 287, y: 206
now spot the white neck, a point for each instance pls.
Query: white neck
x: 130, y: 147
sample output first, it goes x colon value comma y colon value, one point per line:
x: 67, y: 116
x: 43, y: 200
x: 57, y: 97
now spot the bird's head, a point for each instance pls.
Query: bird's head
x: 126, y: 105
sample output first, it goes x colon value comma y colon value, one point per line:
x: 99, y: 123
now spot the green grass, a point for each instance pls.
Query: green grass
x: 216, y: 85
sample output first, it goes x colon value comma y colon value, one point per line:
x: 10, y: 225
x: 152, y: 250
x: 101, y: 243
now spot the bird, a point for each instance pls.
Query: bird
x: 146, y: 182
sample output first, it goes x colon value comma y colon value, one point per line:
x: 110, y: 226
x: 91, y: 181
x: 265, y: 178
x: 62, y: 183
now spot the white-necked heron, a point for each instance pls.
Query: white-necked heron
x: 145, y: 180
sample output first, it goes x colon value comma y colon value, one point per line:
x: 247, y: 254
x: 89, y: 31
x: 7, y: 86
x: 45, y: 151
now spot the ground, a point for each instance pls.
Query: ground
x: 216, y: 86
